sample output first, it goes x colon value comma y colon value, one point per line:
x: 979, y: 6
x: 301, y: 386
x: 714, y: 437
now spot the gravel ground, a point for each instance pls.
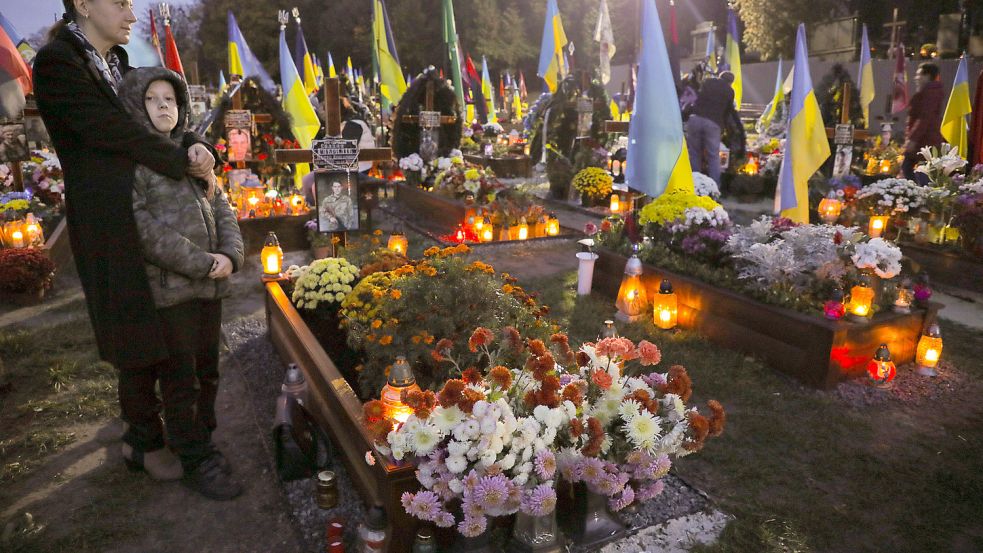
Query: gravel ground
x: 263, y: 370
x: 908, y: 387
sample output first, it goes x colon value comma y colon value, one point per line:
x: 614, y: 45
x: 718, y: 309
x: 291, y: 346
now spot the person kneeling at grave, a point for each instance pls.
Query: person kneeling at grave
x: 191, y: 244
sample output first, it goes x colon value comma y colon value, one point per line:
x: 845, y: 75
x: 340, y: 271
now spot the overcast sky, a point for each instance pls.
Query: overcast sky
x: 30, y: 16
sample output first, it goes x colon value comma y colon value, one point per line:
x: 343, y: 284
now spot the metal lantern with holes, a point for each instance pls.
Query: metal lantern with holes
x: 665, y: 308
x: 400, y: 379
x: 929, y: 351
x: 618, y: 163
x: 632, y: 298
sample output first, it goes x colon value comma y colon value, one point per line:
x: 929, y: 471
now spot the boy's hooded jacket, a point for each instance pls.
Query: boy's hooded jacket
x: 178, y: 225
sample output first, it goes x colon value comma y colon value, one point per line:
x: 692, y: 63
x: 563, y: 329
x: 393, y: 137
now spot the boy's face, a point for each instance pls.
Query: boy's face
x: 160, y: 101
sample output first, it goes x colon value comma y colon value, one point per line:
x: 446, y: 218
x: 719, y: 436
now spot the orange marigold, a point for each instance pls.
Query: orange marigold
x: 480, y: 337
x: 537, y: 347
x: 386, y: 340
x: 501, y: 376
x: 471, y: 375
x: 395, y: 294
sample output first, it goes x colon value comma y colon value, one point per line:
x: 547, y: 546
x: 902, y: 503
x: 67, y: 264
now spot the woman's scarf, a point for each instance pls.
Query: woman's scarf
x: 108, y: 66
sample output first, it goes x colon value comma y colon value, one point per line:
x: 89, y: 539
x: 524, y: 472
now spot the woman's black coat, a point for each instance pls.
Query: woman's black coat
x: 99, y: 146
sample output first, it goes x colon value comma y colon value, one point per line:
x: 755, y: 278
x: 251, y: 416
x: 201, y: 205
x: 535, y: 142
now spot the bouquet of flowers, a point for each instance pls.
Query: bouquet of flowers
x: 705, y: 186
x: 593, y: 182
x: 412, y: 162
x: 893, y: 196
x: 941, y: 165
x: 25, y: 270
x: 878, y: 255
x: 325, y: 282
x: 461, y: 179
x: 495, y: 441
x: 671, y: 207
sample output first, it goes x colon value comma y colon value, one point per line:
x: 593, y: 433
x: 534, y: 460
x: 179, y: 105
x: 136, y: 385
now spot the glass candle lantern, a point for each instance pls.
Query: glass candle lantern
x: 631, y: 295
x: 885, y: 166
x: 522, y: 233
x: 478, y: 222
x: 608, y: 330
x: 298, y: 204
x: 615, y: 203
x: 877, y: 225
x: 830, y: 208
x: 552, y: 226
x: 398, y: 242
x: 400, y: 378
x: 928, y: 351
x: 32, y: 231
x: 13, y: 234
x: 834, y: 309
x: 539, y: 228
x: 904, y: 298
x: 665, y: 309
x: 272, y: 256
x: 861, y: 300
x: 881, y: 368
x: 487, y: 231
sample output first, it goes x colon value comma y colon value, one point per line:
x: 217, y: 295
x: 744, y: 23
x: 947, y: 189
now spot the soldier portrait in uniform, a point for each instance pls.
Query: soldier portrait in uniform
x: 337, y: 207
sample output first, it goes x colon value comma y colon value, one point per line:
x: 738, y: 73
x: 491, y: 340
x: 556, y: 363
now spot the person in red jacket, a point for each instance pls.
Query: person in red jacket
x: 924, y: 118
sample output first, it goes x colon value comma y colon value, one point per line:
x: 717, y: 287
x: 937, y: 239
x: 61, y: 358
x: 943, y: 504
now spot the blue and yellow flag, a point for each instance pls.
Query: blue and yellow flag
x: 305, y: 63
x: 392, y: 85
x: 552, y: 64
x: 332, y: 73
x: 776, y: 100
x: 732, y: 56
x: 806, y: 145
x: 242, y: 61
x: 866, y: 78
x: 304, y: 123
x: 657, y: 156
x: 318, y: 70
x: 350, y: 70
x: 955, y: 121
x: 488, y: 91
x: 711, y: 53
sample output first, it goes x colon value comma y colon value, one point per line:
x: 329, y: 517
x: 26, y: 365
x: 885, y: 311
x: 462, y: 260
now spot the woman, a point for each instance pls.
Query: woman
x: 76, y: 79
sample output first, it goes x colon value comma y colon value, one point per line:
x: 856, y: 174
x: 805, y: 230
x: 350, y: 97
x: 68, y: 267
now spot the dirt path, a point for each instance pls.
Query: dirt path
x: 84, y: 499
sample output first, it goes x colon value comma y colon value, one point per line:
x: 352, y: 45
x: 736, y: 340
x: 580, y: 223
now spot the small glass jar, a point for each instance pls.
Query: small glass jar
x: 327, y: 490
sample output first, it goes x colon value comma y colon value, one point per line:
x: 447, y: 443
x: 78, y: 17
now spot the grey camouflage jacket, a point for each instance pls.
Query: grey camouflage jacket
x: 178, y: 226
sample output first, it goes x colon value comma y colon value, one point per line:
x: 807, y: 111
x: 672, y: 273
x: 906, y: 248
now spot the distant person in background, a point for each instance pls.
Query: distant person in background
x: 924, y: 119
x: 711, y: 111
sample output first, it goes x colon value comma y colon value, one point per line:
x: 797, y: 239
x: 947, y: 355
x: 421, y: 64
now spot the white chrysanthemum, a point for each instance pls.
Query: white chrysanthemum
x: 456, y: 464
x: 455, y: 447
x: 643, y: 430
x: 446, y: 418
x: 629, y: 409
x: 425, y: 438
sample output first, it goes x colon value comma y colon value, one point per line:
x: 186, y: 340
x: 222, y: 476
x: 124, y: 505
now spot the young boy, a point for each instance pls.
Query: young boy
x: 191, y: 244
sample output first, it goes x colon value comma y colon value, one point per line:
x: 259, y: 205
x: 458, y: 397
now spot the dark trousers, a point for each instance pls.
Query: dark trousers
x: 908, y: 169
x: 188, y: 383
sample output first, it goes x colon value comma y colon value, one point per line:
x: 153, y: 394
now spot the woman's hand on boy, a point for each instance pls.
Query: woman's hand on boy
x: 223, y: 267
x: 200, y: 161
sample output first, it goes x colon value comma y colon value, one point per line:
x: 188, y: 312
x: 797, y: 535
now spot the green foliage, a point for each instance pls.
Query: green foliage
x: 769, y: 29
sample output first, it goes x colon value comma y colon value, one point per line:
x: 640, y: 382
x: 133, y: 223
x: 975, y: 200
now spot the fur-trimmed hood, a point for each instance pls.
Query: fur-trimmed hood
x: 134, y: 88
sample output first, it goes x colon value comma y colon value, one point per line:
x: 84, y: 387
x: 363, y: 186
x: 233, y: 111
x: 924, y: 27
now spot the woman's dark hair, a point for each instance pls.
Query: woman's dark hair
x: 930, y: 70
x: 69, y: 16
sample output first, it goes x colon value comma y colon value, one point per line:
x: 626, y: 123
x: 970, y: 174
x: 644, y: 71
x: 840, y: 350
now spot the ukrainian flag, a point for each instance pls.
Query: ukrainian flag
x: 657, y: 156
x: 711, y: 53
x: 777, y: 99
x: 866, y: 78
x: 303, y: 120
x: 241, y: 59
x: 331, y: 70
x: 552, y: 67
x: 487, y: 91
x: 732, y: 56
x: 954, y: 122
x: 392, y: 85
x: 318, y: 70
x: 806, y: 147
x: 304, y: 61
x: 350, y: 70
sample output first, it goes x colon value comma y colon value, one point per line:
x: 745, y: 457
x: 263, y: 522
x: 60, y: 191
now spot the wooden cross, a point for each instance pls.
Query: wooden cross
x: 332, y: 112
x: 428, y: 106
x: 237, y: 105
x: 859, y: 135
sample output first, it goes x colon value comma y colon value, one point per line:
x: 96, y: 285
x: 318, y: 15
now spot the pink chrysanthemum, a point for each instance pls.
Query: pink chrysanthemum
x: 539, y: 501
x: 472, y: 526
x: 545, y: 464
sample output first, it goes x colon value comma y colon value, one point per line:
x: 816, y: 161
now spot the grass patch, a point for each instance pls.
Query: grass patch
x: 56, y: 382
x: 800, y: 469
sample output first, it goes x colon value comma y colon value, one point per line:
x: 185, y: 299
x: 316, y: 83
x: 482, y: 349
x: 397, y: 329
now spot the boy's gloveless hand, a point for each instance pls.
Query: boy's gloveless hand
x: 200, y: 161
x: 212, y: 189
x: 223, y: 269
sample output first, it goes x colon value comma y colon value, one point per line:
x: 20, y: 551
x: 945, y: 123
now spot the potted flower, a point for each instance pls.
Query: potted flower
x: 594, y: 185
x: 25, y: 275
x: 322, y: 243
